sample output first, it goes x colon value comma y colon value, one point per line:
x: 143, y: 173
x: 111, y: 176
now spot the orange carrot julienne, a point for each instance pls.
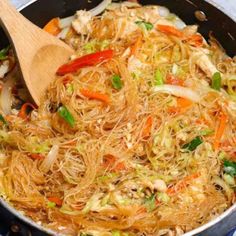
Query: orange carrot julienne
x: 52, y: 27
x: 56, y: 200
x: 136, y: 46
x: 196, y: 40
x: 147, y: 128
x: 36, y: 156
x: 110, y: 162
x: 167, y: 29
x: 23, y: 111
x: 95, y: 95
x: 220, y: 130
x: 184, y: 103
x: 173, y: 80
x: 182, y: 184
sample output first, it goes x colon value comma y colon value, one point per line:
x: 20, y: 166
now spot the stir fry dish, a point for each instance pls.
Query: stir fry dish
x: 135, y: 136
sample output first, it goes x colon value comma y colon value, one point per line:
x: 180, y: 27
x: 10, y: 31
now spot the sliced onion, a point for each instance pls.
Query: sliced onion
x: 100, y: 7
x: 6, y: 94
x: 63, y: 33
x: 178, y: 91
x: 179, y: 24
x: 50, y: 159
x: 163, y: 11
x: 66, y: 22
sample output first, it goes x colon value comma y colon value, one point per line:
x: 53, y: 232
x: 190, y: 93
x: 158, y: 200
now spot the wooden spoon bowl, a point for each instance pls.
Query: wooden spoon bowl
x: 39, y: 54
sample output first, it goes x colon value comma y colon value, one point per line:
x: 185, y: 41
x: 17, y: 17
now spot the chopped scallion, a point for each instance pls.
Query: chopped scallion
x: 216, y: 81
x: 158, y: 78
x: 191, y: 146
x: 147, y: 25
x: 3, y: 120
x: 116, y: 82
x: 4, y: 53
x: 66, y: 115
x: 230, y: 167
x: 150, y: 203
x: 51, y: 204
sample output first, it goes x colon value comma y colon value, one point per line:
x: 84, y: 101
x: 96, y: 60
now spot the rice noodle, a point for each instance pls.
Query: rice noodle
x: 133, y: 145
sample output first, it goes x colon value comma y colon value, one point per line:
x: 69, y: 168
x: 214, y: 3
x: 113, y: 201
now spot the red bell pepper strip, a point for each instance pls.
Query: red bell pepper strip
x: 85, y: 61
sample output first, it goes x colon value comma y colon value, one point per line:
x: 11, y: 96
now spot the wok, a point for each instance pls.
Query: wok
x: 222, y: 26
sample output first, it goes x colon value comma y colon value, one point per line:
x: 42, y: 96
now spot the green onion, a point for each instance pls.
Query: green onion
x: 206, y: 132
x: 66, y: 115
x: 229, y: 179
x: 4, y: 53
x: 216, y: 81
x: 115, y: 233
x: 51, y: 204
x: 191, y: 146
x: 158, y: 78
x: 116, y: 82
x: 230, y: 167
x: 3, y: 120
x: 147, y: 25
x: 150, y: 203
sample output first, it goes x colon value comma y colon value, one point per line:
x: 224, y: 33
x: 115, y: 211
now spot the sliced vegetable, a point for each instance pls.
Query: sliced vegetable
x: 113, y: 164
x: 182, y: 184
x: 146, y: 25
x: 56, y: 200
x: 3, y: 120
x: 229, y: 179
x: 178, y: 91
x: 173, y: 80
x: 167, y: 29
x: 158, y: 79
x: 216, y: 81
x: 220, y: 130
x: 150, y: 203
x: 37, y: 156
x: 191, y: 146
x: 95, y: 95
x: 136, y: 46
x: 51, y: 204
x: 116, y: 233
x: 4, y: 53
x: 195, y: 40
x: 230, y: 167
x: 53, y: 27
x: 66, y: 115
x: 85, y: 61
x: 23, y: 111
x: 116, y: 82
x: 184, y: 103
x: 147, y: 128
x: 163, y: 197
x: 206, y: 132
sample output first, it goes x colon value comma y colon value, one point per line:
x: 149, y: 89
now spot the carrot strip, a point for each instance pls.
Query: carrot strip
x: 36, y: 156
x: 52, y: 27
x: 23, y: 111
x: 56, y: 200
x: 167, y: 29
x: 136, y: 46
x: 95, y: 95
x: 183, y: 103
x: 171, y: 79
x: 182, y: 184
x: 196, y: 40
x: 147, y: 128
x: 110, y: 162
x: 220, y: 130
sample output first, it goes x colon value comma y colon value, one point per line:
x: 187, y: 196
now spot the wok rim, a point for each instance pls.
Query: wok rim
x: 198, y: 230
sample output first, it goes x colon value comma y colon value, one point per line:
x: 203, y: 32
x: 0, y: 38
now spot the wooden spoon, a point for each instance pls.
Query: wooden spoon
x: 39, y: 54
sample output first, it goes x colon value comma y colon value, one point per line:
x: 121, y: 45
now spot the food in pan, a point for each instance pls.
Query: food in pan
x: 136, y: 135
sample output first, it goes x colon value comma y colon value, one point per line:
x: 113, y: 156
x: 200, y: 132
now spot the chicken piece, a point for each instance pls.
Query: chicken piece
x: 205, y: 64
x: 82, y: 22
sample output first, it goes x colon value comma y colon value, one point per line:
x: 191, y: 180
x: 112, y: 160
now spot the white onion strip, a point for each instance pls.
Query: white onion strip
x: 6, y: 96
x: 66, y: 22
x: 100, y: 7
x: 178, y: 91
x: 49, y: 159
